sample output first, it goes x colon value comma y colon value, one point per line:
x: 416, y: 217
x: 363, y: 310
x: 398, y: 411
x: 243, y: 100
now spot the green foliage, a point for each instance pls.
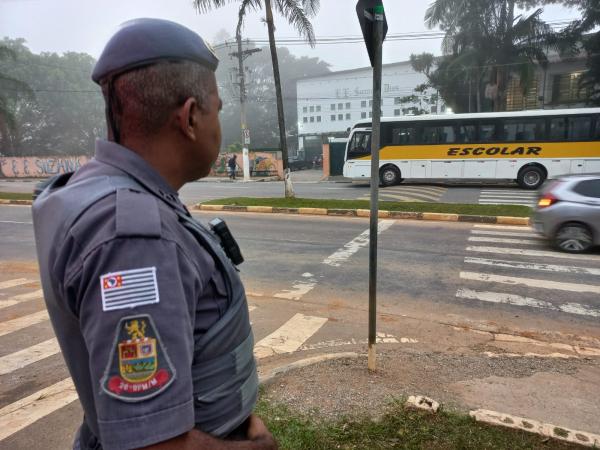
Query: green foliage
x: 65, y: 116
x: 486, y: 43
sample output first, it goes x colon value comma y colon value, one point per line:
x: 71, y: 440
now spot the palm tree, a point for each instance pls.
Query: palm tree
x: 490, y: 40
x: 10, y: 90
x: 297, y: 13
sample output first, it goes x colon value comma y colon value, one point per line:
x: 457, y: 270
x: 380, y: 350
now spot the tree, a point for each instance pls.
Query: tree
x: 297, y: 13
x: 11, y: 89
x: 489, y: 41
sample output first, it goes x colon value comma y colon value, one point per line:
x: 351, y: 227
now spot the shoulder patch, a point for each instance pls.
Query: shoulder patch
x: 137, y: 214
x: 138, y: 367
x: 129, y: 288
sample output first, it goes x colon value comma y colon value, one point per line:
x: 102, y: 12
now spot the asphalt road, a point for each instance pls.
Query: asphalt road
x: 309, y: 274
x: 451, y: 192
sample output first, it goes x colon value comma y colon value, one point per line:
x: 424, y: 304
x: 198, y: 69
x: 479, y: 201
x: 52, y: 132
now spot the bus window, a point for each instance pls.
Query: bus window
x: 524, y: 130
x: 404, y: 136
x: 466, y: 133
x: 487, y: 132
x: 360, y: 145
x: 558, y: 129
x: 579, y: 128
x: 438, y: 135
x: 597, y: 129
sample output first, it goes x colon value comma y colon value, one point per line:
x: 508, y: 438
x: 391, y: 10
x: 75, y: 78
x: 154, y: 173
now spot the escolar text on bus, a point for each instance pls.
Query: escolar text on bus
x: 466, y: 151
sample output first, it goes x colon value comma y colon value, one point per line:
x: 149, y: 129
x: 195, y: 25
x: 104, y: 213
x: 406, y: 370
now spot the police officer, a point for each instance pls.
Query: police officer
x: 148, y: 308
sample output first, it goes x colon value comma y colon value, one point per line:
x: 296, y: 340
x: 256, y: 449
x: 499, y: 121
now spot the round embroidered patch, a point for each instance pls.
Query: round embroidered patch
x: 138, y: 367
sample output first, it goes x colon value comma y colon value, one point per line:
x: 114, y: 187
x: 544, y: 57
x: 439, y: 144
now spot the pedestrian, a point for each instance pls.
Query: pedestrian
x: 231, y: 166
x: 148, y: 308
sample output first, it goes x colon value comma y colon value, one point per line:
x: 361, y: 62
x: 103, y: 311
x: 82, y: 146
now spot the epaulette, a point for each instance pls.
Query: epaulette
x: 137, y: 214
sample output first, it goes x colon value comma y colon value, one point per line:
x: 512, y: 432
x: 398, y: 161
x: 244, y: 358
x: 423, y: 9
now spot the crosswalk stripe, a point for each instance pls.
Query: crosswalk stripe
x: 532, y: 266
x: 414, y: 190
x: 519, y: 300
x: 508, y: 202
x: 30, y: 355
x: 28, y: 410
x: 497, y: 240
x: 21, y: 298
x: 13, y: 283
x: 290, y: 336
x: 13, y: 325
x: 499, y: 192
x: 503, y: 195
x: 409, y: 197
x: 503, y: 227
x: 543, y: 284
x: 506, y: 233
x: 535, y: 253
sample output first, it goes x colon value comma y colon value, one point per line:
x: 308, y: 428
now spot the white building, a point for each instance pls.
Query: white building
x: 330, y: 104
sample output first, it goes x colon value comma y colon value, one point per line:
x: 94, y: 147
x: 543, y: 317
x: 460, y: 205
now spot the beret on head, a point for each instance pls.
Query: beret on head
x: 141, y: 42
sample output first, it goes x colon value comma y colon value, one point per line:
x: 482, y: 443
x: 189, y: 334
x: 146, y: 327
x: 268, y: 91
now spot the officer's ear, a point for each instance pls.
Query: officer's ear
x: 187, y: 118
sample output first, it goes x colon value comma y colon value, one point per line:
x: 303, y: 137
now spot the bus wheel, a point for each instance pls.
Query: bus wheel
x: 389, y: 176
x: 531, y: 177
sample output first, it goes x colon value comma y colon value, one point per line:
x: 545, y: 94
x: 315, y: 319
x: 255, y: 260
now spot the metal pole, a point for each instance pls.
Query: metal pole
x: 375, y: 145
x: 240, y: 55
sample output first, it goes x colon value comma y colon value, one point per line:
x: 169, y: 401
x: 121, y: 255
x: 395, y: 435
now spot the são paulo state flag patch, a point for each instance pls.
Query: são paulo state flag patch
x: 129, y: 288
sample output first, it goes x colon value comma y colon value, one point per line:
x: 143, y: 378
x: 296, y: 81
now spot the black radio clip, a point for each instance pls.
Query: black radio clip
x: 228, y: 242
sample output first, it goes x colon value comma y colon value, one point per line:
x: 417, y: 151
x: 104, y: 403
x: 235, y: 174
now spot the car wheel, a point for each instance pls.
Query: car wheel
x: 389, y: 176
x: 531, y: 177
x: 574, y: 238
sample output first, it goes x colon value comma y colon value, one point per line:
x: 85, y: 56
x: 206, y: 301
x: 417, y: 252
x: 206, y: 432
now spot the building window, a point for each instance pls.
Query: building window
x: 340, y: 106
x: 318, y: 108
x: 370, y: 103
x: 566, y: 88
x: 305, y: 120
x: 340, y: 117
x: 363, y: 115
x: 348, y: 105
x: 348, y: 116
x: 333, y: 117
x: 396, y: 112
x: 333, y: 106
x: 312, y: 109
x: 397, y: 101
x: 363, y: 104
x: 305, y: 109
x: 318, y: 118
x: 312, y: 119
x: 370, y: 114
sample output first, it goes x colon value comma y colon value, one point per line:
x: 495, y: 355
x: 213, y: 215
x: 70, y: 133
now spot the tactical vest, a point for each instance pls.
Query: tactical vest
x: 224, y: 374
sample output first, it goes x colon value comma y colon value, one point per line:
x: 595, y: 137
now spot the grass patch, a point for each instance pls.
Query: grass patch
x: 447, y: 208
x: 15, y: 196
x: 398, y: 428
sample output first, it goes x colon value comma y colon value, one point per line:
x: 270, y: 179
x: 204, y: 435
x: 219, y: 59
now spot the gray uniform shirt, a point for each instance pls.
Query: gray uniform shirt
x: 136, y: 291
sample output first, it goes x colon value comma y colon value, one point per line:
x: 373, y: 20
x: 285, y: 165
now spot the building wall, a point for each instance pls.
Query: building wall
x: 332, y: 103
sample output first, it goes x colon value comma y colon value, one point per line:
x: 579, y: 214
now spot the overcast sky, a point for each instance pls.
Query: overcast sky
x: 85, y: 25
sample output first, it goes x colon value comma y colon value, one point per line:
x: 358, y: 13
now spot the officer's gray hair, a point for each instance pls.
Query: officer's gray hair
x: 146, y: 97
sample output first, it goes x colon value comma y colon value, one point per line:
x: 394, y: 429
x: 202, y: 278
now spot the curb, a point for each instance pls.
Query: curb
x: 533, y: 426
x: 272, y: 374
x: 15, y: 202
x: 441, y: 217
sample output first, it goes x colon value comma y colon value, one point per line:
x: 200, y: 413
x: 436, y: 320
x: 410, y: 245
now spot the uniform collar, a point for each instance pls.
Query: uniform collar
x: 138, y: 168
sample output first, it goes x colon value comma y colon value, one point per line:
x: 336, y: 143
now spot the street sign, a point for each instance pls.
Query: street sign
x: 369, y: 11
x: 246, y: 136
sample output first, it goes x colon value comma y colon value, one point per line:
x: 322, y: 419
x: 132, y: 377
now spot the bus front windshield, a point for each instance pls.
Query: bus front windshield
x: 360, y: 145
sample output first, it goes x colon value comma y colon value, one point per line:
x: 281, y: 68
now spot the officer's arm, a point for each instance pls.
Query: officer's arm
x: 259, y: 438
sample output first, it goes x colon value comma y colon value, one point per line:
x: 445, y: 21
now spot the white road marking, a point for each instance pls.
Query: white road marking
x: 290, y: 336
x: 531, y: 282
x: 381, y: 338
x: 503, y: 192
x: 19, y: 323
x: 516, y: 203
x: 506, y: 233
x: 532, y: 266
x: 251, y: 308
x: 524, y: 252
x: 503, y: 227
x: 21, y: 298
x: 530, y: 355
x: 22, y: 358
x: 519, y: 300
x: 28, y: 410
x: 12, y: 283
x: 362, y: 240
x: 299, y: 288
x: 16, y: 222
x: 496, y: 240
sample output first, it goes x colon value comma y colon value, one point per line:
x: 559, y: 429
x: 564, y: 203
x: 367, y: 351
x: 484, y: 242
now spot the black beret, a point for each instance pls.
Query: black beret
x: 141, y: 42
